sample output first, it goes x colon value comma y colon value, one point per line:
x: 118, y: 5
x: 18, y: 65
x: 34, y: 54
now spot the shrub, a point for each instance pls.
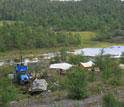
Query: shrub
x: 116, y: 82
x: 53, y: 82
x: 109, y: 67
x: 76, y: 59
x: 122, y: 58
x: 45, y: 74
x: 91, y: 76
x: 77, y: 83
x: 63, y: 54
x: 7, y: 91
x: 109, y: 101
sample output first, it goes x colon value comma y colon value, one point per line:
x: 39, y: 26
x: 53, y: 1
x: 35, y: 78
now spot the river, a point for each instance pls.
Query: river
x: 115, y: 51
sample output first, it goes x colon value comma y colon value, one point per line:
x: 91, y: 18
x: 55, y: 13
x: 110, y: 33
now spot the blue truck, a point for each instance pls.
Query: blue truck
x: 22, y: 71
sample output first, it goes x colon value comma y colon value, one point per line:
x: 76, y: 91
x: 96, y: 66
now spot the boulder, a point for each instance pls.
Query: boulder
x: 38, y: 85
x: 11, y: 76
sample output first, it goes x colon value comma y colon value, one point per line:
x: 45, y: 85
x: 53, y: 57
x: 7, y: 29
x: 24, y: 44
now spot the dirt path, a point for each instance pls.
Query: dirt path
x: 94, y: 101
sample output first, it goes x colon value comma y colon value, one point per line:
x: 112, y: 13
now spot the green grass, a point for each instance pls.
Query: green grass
x: 87, y: 40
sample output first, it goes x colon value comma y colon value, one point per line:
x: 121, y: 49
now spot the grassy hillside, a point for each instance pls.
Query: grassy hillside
x: 87, y: 40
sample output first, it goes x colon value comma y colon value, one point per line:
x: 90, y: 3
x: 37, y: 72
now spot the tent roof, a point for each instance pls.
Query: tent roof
x: 63, y: 66
x: 87, y: 64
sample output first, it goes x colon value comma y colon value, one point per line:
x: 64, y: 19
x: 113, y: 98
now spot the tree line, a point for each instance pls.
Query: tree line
x: 26, y: 36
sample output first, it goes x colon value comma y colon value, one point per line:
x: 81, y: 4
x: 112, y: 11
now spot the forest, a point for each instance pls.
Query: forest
x: 78, y: 16
x: 24, y: 36
x: 45, y: 17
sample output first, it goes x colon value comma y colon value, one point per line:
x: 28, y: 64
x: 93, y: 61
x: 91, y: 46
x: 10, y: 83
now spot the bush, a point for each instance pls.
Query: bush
x: 116, y: 82
x: 122, y: 58
x: 77, y: 83
x: 45, y: 74
x: 108, y: 66
x: 109, y: 101
x: 53, y: 82
x: 7, y: 92
x: 76, y: 59
x: 91, y: 76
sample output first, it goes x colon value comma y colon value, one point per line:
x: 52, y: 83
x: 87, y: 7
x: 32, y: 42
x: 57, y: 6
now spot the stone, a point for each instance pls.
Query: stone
x: 38, y: 85
x: 11, y: 76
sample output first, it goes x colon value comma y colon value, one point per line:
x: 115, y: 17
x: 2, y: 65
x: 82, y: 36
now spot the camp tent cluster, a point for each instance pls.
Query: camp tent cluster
x: 65, y: 66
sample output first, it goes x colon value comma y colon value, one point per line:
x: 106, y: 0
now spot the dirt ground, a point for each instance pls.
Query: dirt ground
x: 93, y: 101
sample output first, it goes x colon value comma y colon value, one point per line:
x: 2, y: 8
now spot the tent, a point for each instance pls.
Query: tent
x: 87, y: 64
x: 62, y: 66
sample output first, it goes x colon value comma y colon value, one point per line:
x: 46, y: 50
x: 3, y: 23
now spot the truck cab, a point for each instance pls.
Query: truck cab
x: 22, y: 70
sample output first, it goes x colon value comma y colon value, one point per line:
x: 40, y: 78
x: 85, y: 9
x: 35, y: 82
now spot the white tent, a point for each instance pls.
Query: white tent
x: 87, y: 64
x: 63, y: 66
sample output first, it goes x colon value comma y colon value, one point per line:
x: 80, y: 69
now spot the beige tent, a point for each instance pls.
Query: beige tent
x: 87, y: 64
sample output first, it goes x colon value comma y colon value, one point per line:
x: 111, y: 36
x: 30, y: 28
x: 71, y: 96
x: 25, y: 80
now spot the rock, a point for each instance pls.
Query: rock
x: 12, y: 102
x: 44, y: 94
x: 11, y: 76
x: 38, y: 85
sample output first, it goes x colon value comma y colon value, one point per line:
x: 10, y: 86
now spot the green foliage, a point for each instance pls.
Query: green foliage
x: 122, y: 58
x: 106, y: 17
x: 81, y: 15
x: 76, y: 59
x: 18, y: 77
x: 110, y: 101
x: 63, y: 55
x: 91, y: 76
x: 116, y: 82
x: 109, y: 67
x: 5, y: 70
x: 56, y: 82
x: 45, y: 74
x: 7, y: 88
x: 57, y: 59
x: 7, y: 92
x: 25, y: 36
x: 77, y: 83
x: 53, y: 83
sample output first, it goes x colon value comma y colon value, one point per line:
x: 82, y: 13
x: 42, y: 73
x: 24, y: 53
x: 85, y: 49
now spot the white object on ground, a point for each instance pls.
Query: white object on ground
x: 63, y: 66
x: 11, y: 76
